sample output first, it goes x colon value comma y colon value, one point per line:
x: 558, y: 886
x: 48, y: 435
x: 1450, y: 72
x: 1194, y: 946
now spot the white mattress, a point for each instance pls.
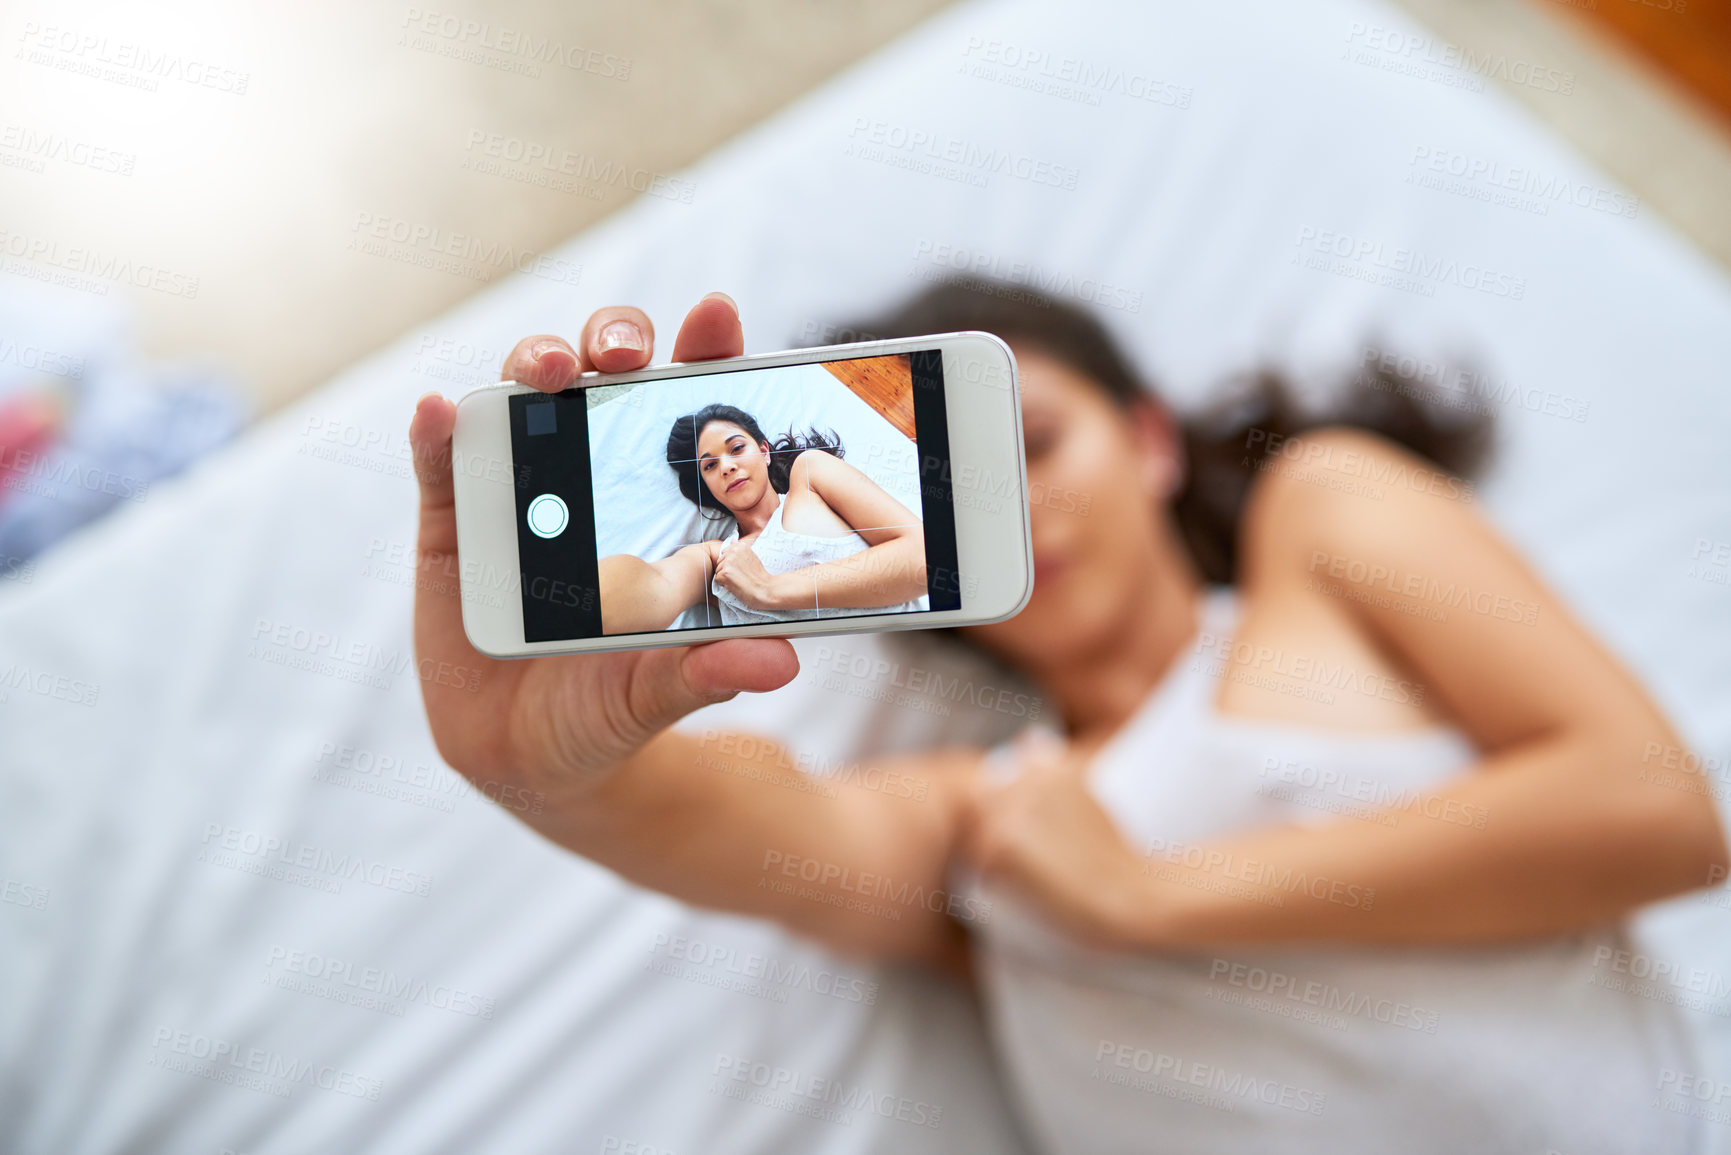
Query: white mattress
x: 236, y: 635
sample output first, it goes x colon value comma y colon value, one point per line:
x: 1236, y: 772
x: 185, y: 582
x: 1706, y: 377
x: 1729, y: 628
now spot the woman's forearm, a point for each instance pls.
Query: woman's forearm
x: 730, y: 821
x: 639, y: 596
x: 882, y: 575
x: 1558, y: 836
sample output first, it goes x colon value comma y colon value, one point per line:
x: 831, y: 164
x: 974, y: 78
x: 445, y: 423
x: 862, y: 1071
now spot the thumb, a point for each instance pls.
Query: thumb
x: 672, y: 683
x: 720, y: 670
x: 430, y: 439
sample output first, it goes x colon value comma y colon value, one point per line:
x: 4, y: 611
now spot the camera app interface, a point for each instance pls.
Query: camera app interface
x: 754, y: 495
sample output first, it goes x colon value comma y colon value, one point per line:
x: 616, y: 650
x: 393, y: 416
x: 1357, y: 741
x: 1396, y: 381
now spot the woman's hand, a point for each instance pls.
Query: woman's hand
x: 557, y: 725
x: 740, y: 571
x: 1044, y: 835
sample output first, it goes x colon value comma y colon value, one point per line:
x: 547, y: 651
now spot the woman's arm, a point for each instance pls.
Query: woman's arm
x: 1579, y: 824
x: 729, y: 821
x: 702, y: 818
x: 891, y: 570
x: 638, y: 596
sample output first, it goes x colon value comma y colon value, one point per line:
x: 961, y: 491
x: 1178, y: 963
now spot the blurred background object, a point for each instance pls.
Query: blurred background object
x: 1689, y: 42
x: 206, y: 177
x: 1649, y: 99
x: 86, y: 422
x: 318, y: 121
x: 324, y: 120
x: 228, y: 182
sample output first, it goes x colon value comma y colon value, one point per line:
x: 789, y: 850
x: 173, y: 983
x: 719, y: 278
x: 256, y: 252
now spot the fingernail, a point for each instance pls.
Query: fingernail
x: 546, y: 346
x: 723, y: 297
x: 619, y: 335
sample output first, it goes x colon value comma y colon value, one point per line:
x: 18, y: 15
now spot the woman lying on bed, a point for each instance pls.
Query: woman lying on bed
x: 1320, y: 862
x: 812, y: 536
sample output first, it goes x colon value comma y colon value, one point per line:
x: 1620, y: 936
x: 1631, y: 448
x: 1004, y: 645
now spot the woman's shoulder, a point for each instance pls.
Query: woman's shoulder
x: 815, y: 466
x: 1331, y: 518
x: 1343, y: 488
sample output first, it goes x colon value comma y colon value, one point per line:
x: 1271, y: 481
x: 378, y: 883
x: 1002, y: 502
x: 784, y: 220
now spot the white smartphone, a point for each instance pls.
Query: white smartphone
x: 873, y: 486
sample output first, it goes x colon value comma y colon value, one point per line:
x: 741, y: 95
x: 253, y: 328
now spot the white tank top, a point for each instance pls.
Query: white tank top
x: 1530, y: 1048
x: 783, y: 551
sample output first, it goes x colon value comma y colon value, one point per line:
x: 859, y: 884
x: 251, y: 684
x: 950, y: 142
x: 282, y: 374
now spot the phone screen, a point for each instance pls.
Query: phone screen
x: 788, y: 493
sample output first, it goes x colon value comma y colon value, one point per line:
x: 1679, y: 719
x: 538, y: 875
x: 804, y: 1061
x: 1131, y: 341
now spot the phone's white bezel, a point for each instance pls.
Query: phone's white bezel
x: 994, y: 555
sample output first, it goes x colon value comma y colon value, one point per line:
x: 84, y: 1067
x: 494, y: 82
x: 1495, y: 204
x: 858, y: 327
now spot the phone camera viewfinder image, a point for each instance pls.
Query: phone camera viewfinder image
x: 758, y: 495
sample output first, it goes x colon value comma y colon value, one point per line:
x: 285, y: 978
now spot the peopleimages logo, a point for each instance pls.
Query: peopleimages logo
x: 503, y: 47
x: 583, y: 168
x: 93, y: 269
x: 927, y: 683
x: 25, y: 895
x: 1225, y: 865
x: 259, y: 1069
x: 355, y: 660
x: 60, y: 687
x: 766, y: 976
x: 741, y: 752
x: 462, y: 254
x: 374, y: 988
x: 1365, y: 258
x: 40, y: 359
x: 971, y: 162
x: 126, y: 62
x: 1516, y: 186
x: 828, y: 877
x: 1439, y: 383
x: 1326, y: 997
x: 1004, y: 277
x: 1655, y: 969
x: 1067, y: 77
x: 34, y: 148
x: 1216, y: 1086
x: 1338, y: 572
x: 303, y: 863
x: 1400, y: 50
x: 1314, y: 785
x: 812, y: 1095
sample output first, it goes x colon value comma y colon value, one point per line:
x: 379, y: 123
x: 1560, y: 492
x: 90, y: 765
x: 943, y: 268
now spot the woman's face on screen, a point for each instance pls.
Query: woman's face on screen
x: 1097, y: 478
x: 734, y: 468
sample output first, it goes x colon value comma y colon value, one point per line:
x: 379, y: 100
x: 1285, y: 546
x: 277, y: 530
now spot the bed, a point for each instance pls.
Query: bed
x: 246, y: 907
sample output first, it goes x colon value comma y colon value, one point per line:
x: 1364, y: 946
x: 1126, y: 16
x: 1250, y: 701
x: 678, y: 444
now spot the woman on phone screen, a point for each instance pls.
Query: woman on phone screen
x: 812, y: 536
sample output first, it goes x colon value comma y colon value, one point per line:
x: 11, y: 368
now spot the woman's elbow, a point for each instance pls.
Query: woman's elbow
x: 1676, y: 822
x: 1694, y: 828
x: 919, y: 580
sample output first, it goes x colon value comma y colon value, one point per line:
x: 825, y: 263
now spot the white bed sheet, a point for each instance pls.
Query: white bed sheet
x: 245, y: 631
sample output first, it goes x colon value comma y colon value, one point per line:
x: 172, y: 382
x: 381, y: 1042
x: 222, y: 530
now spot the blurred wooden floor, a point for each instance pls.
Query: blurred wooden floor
x: 1634, y: 109
x: 1689, y: 41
